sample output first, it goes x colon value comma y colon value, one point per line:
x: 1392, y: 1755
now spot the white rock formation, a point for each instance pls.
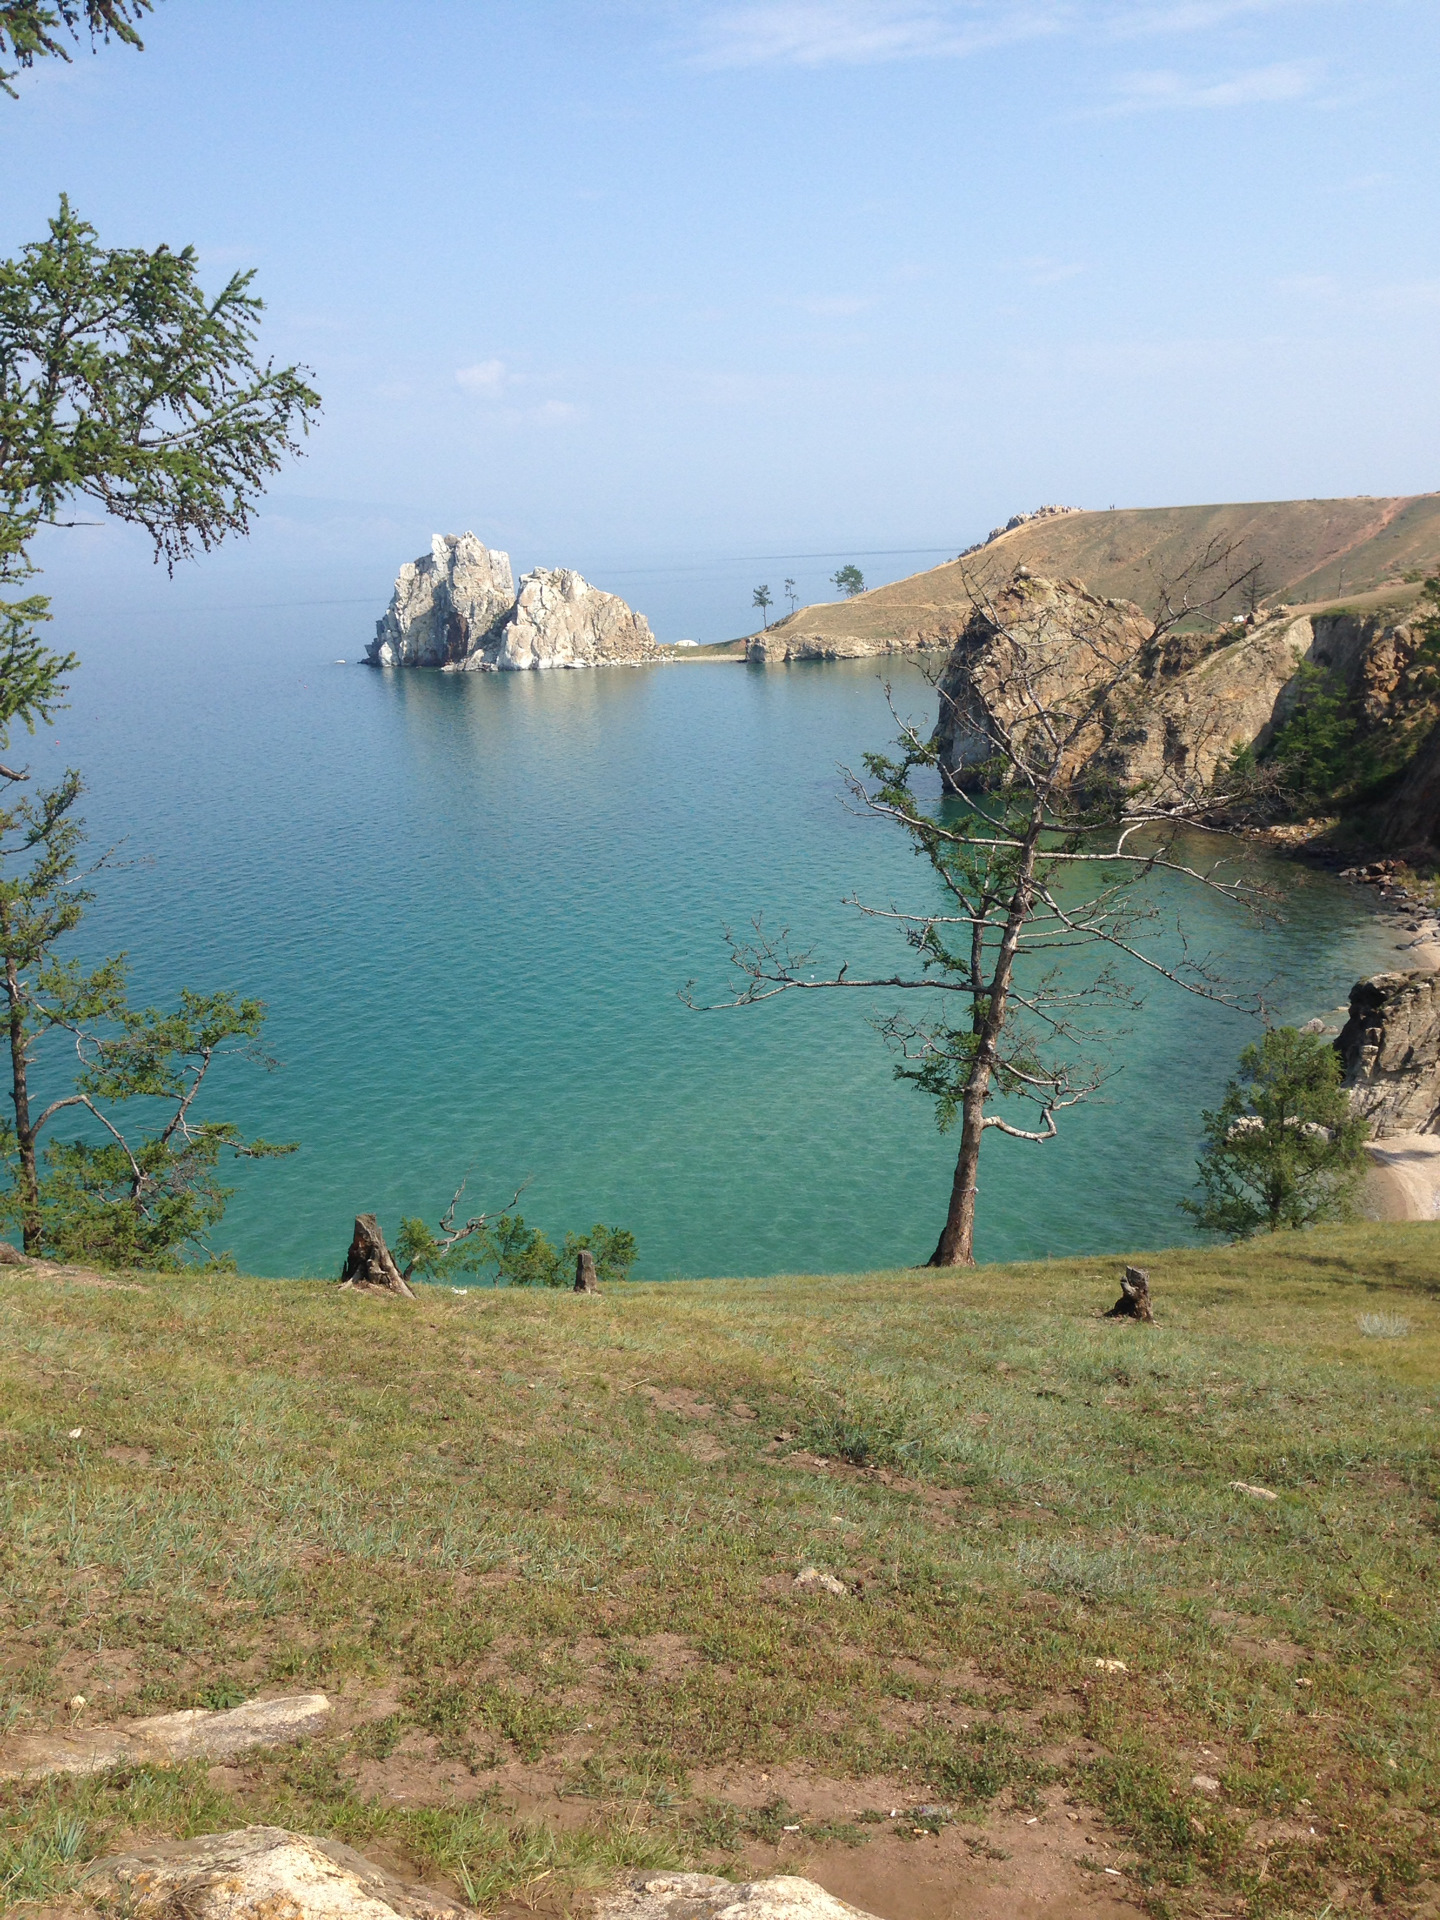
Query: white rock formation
x: 703, y: 1896
x: 457, y: 610
x: 166, y: 1738
x: 259, y: 1873
x: 444, y: 605
x: 560, y: 620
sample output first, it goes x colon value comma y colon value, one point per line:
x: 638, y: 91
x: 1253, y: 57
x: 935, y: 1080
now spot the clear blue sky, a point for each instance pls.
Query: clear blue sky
x: 638, y: 286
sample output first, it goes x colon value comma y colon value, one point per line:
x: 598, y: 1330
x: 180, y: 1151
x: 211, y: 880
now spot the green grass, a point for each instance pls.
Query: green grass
x: 530, y: 1529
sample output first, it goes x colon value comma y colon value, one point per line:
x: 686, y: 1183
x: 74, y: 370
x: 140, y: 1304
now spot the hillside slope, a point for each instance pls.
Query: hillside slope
x: 1118, y: 1616
x: 1310, y: 551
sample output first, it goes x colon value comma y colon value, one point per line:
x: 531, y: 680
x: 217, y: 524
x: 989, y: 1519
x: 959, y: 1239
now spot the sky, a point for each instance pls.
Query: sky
x: 682, y: 294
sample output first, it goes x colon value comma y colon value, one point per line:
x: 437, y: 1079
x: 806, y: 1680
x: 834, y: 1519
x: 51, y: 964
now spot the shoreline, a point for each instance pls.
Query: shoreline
x: 1403, y: 1180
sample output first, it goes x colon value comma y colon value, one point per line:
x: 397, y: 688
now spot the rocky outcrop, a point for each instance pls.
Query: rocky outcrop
x: 258, y: 1873
x: 786, y: 641
x: 444, y: 605
x: 166, y: 1739
x: 1190, y: 701
x: 456, y: 609
x: 1390, y: 1052
x: 560, y: 620
x: 704, y: 1896
x: 1016, y: 521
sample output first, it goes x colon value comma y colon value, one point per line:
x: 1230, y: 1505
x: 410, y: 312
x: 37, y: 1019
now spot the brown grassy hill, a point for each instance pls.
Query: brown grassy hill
x: 1309, y: 551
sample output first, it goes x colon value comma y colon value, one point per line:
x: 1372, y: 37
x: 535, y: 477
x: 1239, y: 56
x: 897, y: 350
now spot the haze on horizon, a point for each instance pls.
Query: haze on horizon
x: 650, y: 288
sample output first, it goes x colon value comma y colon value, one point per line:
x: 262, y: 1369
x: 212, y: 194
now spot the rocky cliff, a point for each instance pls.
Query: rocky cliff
x: 1390, y: 1052
x: 444, y: 605
x: 560, y: 620
x: 456, y: 609
x: 1192, y: 699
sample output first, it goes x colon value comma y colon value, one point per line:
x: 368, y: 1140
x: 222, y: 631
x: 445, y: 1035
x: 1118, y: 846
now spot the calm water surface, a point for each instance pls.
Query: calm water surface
x: 469, y: 903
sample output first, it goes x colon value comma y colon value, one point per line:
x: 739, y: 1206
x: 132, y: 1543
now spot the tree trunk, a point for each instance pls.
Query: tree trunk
x: 1134, y: 1301
x: 369, y: 1267
x: 956, y: 1245
x: 24, y: 1132
x: 585, y: 1281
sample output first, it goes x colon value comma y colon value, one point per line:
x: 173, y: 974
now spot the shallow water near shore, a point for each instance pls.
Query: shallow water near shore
x: 470, y: 901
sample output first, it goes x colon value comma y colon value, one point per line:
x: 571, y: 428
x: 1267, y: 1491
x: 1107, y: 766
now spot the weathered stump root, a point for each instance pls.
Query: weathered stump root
x: 1134, y: 1301
x: 369, y: 1266
x: 585, y: 1280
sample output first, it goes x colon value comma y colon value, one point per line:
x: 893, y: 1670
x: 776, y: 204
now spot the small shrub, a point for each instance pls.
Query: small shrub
x: 1383, y: 1326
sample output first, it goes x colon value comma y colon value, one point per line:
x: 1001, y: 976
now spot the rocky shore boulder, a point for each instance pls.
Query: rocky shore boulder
x: 1390, y: 1052
x: 444, y: 605
x: 456, y: 610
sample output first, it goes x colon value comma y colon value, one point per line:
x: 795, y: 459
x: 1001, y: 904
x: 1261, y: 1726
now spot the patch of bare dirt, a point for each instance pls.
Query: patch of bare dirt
x: 1011, y: 1866
x: 679, y: 1400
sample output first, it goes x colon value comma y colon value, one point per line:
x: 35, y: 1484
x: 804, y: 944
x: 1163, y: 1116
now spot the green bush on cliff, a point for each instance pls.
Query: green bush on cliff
x: 1283, y: 1148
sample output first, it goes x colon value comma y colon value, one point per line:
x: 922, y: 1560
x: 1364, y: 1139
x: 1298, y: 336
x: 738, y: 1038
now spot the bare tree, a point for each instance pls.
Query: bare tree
x: 1040, y: 853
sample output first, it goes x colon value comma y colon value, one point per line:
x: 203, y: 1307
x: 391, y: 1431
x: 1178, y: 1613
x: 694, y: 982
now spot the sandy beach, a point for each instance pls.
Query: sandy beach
x: 1404, y: 1178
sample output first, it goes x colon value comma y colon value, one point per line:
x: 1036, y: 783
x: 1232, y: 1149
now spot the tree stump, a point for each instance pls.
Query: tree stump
x: 1134, y: 1301
x: 369, y: 1266
x: 585, y: 1280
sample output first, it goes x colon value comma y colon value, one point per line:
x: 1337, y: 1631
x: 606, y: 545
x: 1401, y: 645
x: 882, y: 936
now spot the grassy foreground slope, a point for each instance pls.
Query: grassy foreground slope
x: 542, y: 1550
x: 1311, y: 551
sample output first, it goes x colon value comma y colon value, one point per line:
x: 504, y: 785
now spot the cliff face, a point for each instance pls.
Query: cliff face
x: 1390, y: 1052
x: 444, y: 605
x: 1034, y: 641
x: 1411, y: 823
x: 456, y: 609
x: 1191, y: 701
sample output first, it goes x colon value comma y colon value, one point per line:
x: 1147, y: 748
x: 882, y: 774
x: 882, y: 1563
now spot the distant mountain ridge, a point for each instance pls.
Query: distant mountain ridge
x: 1310, y: 552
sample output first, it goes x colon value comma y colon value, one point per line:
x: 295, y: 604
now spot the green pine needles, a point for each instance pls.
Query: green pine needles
x: 1283, y: 1149
x: 509, y: 1252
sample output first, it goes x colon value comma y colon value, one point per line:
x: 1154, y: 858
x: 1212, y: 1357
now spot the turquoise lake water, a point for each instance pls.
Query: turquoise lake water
x: 469, y: 902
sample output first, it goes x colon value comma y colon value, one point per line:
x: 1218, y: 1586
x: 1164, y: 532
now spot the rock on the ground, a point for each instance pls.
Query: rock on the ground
x: 560, y: 620
x: 166, y: 1738
x: 824, y: 1582
x: 1390, y: 1052
x: 259, y: 1873
x: 444, y: 606
x: 704, y: 1896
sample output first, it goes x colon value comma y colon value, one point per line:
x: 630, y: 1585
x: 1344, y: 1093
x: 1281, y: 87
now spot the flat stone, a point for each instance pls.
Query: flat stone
x: 166, y: 1738
x: 704, y: 1896
x: 259, y: 1873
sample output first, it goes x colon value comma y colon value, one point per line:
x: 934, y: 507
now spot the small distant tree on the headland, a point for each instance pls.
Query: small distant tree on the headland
x: 791, y: 595
x: 849, y: 581
x: 761, y: 598
x: 1283, y: 1148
